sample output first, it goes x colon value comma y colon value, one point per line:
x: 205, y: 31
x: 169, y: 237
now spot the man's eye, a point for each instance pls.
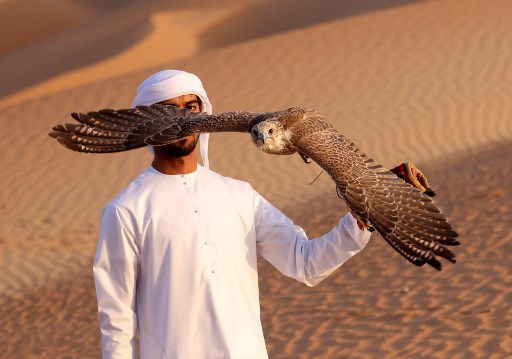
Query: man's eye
x: 192, y: 107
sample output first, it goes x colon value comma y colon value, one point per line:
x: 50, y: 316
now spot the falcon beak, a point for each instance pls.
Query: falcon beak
x: 258, y: 137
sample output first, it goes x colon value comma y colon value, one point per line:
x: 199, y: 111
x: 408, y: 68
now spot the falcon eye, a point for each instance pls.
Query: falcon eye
x: 255, y: 133
x: 271, y: 131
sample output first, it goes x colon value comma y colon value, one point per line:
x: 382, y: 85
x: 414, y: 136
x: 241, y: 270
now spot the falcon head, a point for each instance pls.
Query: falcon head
x: 271, y: 135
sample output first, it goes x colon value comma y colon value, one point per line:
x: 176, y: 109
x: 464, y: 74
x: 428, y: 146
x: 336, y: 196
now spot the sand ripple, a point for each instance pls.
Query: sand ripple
x: 421, y: 81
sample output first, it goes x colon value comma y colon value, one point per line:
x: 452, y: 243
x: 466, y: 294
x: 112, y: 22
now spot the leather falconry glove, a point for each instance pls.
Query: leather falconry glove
x: 410, y: 174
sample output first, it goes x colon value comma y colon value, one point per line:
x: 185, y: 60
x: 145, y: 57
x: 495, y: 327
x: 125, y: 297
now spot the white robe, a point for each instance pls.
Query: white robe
x: 177, y: 258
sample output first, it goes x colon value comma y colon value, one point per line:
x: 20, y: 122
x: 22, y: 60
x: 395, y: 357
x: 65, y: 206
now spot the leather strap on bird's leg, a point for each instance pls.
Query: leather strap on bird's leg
x: 411, y: 174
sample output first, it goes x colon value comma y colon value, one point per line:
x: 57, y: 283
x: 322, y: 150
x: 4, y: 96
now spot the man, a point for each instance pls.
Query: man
x: 177, y: 255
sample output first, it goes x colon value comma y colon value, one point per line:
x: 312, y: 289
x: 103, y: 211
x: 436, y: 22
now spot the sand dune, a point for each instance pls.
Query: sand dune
x: 421, y: 81
x: 44, y: 19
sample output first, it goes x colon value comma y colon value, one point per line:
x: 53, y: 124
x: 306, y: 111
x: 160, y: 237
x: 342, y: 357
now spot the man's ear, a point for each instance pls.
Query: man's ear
x: 200, y: 102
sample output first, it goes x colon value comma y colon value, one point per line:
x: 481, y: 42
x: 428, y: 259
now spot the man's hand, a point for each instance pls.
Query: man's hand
x: 410, y: 174
x: 360, y: 223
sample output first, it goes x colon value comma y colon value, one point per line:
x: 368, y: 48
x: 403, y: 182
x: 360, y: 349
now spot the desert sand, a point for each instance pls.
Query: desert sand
x: 428, y: 82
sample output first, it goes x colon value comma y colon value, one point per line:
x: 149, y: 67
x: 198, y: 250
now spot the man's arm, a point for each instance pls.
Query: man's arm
x: 287, y: 247
x: 115, y: 276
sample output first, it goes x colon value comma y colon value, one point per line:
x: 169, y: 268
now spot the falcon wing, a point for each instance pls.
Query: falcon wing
x: 108, y: 130
x: 238, y: 121
x: 407, y: 218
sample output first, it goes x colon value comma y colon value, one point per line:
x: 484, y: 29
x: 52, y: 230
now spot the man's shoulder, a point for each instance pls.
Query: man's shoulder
x: 228, y: 181
x: 131, y: 192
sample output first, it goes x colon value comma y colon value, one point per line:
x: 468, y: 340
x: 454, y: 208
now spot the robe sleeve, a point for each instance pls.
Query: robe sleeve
x: 287, y: 247
x: 115, y: 276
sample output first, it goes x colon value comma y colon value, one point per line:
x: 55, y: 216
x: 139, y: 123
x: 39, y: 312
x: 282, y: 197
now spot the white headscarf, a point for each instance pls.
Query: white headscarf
x: 168, y: 84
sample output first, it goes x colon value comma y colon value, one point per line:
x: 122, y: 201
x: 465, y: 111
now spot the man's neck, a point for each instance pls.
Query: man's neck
x: 175, y: 165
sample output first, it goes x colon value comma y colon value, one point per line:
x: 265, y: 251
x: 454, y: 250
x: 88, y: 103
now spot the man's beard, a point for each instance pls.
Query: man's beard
x: 181, y: 148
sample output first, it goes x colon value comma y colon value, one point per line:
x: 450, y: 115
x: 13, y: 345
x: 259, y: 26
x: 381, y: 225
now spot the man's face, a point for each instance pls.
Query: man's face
x: 185, y: 101
x: 186, y: 145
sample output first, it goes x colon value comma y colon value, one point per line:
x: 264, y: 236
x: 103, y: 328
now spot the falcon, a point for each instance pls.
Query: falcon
x: 403, y: 215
